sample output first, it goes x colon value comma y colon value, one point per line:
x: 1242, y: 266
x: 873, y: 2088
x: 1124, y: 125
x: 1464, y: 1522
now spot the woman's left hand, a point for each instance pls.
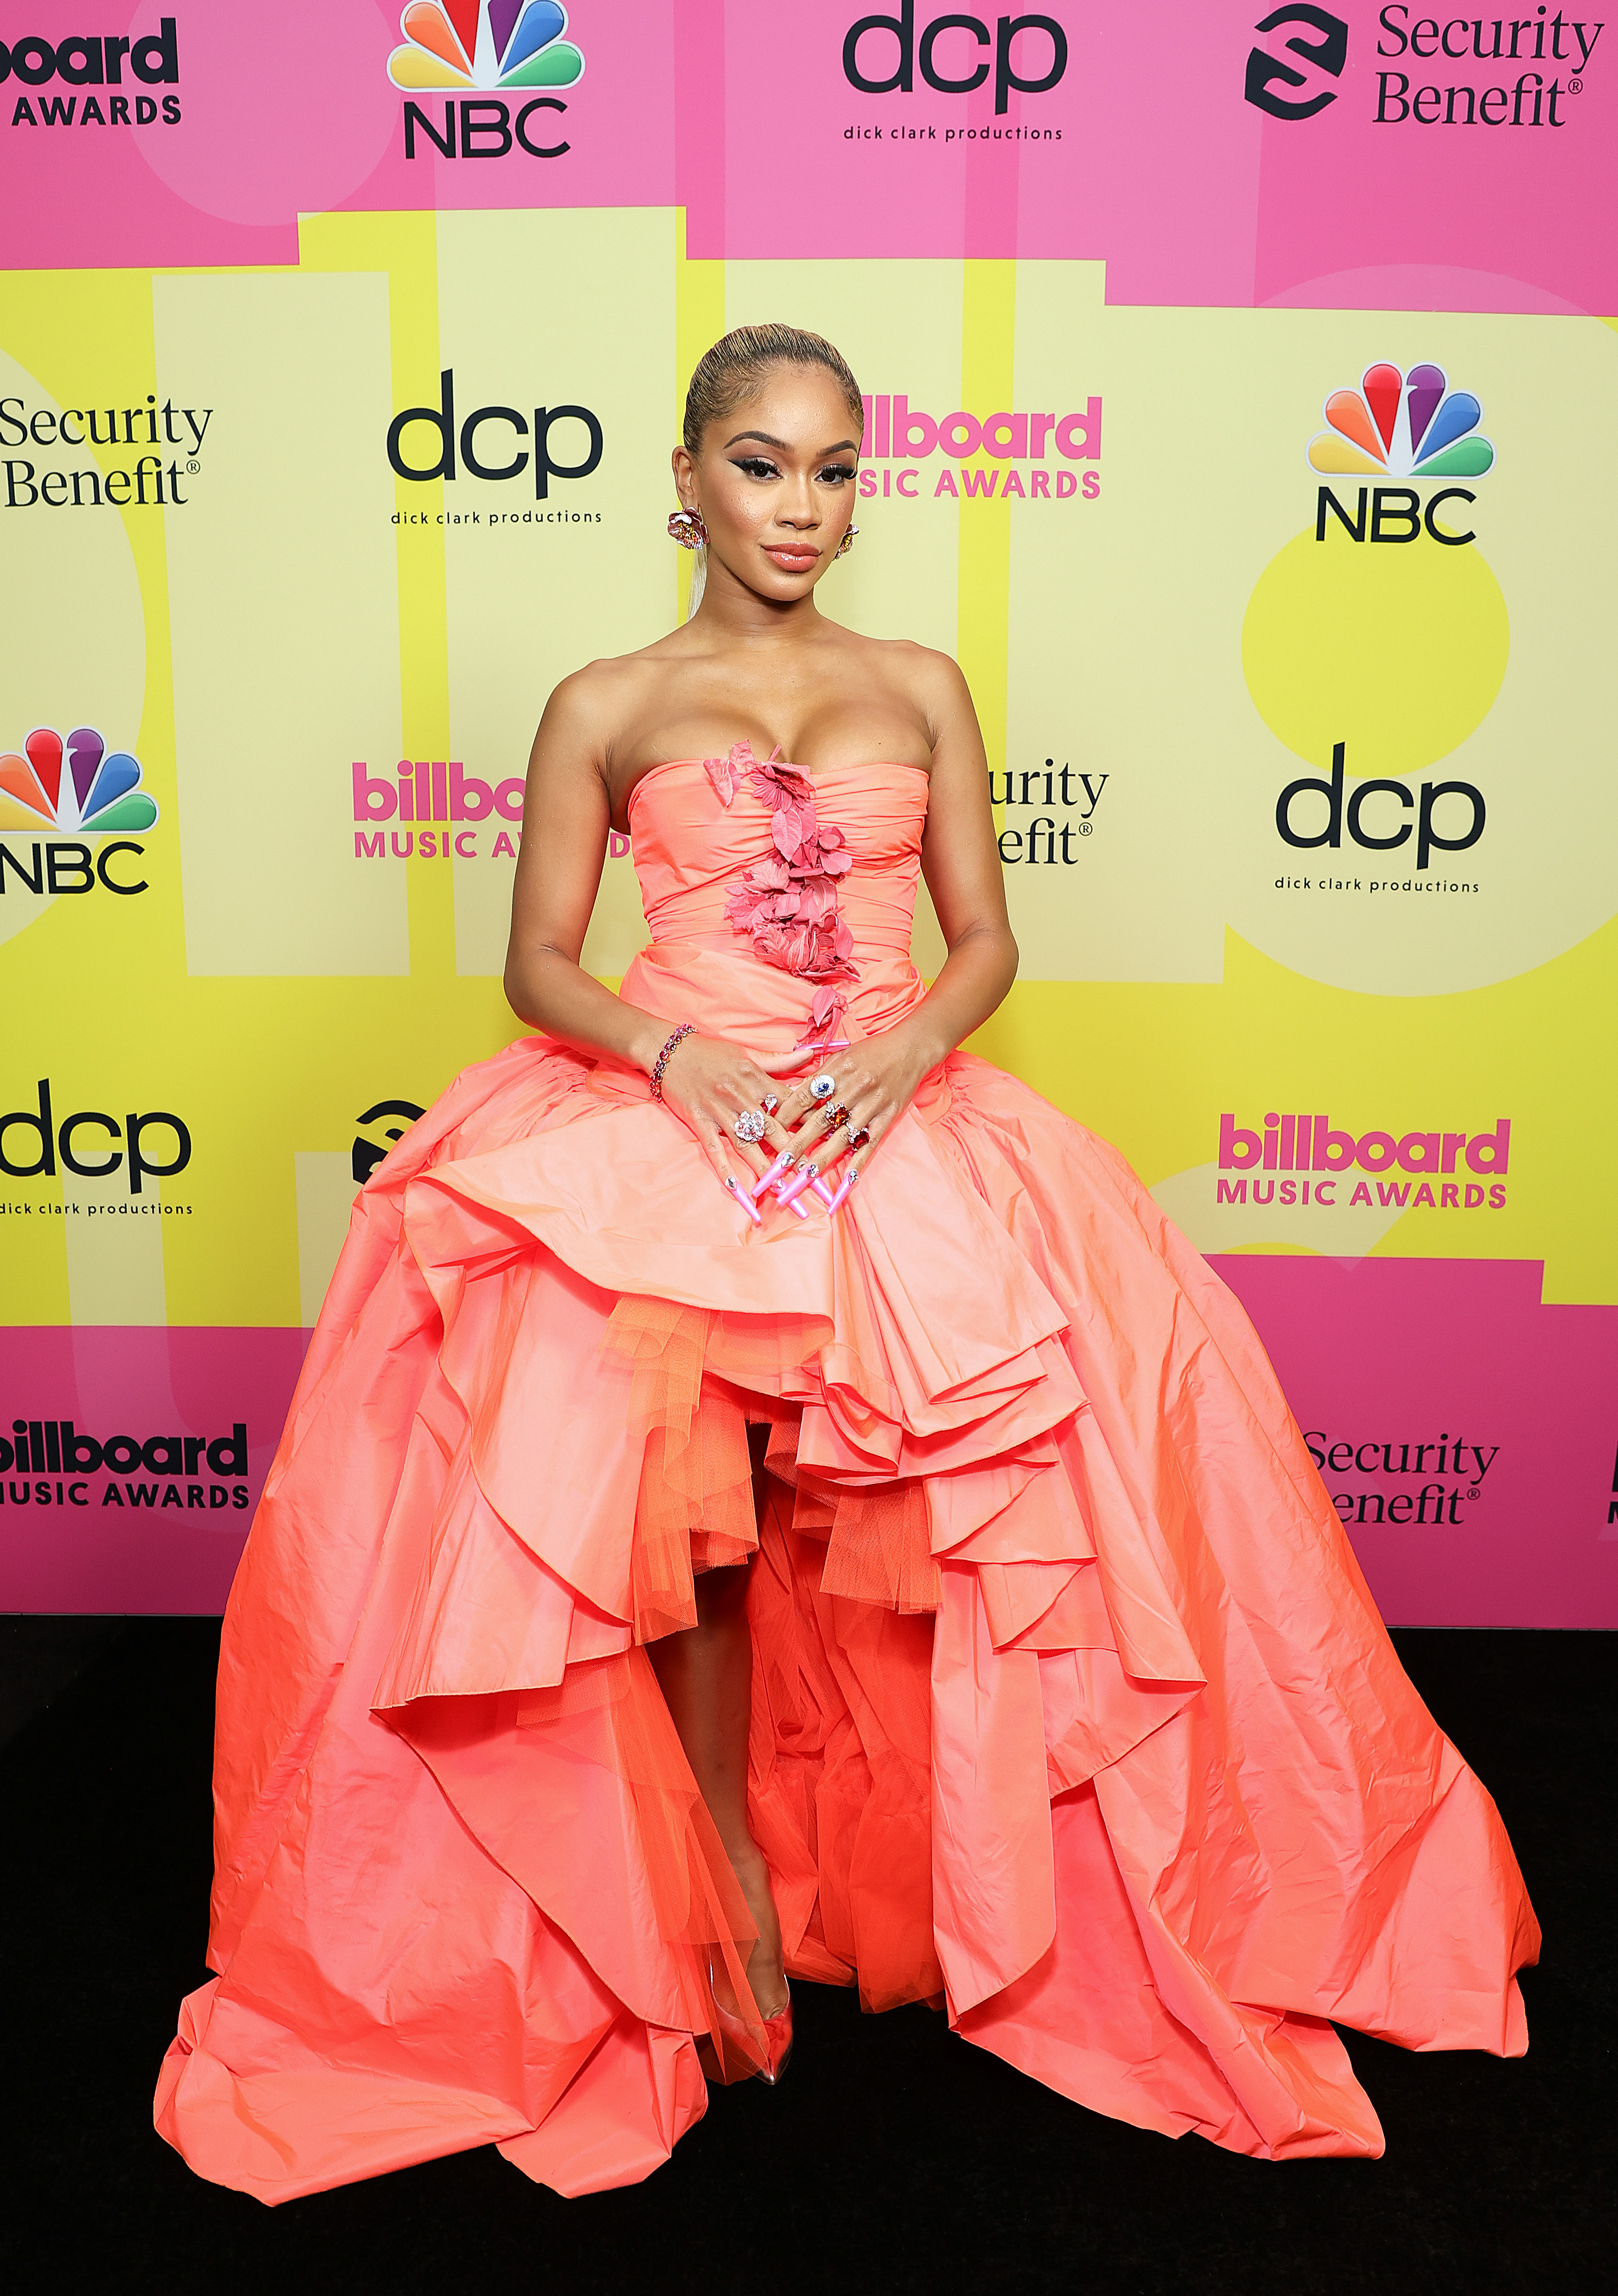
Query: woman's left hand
x: 873, y: 1083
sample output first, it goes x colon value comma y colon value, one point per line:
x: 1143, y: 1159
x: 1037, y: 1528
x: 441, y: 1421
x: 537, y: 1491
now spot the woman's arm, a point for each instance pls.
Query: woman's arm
x: 566, y: 814
x: 960, y: 862
x: 877, y: 1079
x: 567, y: 811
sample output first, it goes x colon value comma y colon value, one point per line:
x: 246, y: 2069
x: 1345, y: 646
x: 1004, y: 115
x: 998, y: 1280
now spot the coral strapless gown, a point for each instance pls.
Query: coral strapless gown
x: 1071, y: 1712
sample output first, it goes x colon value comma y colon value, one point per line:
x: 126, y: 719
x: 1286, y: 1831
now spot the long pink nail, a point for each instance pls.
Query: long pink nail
x: 801, y: 1210
x: 746, y: 1204
x: 772, y: 1176
x: 823, y: 1190
x: 837, y: 1199
x: 796, y: 1187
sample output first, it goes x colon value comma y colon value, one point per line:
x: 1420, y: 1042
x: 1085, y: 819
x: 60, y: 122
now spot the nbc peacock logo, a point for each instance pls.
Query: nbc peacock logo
x: 1404, y: 426
x: 485, y: 44
x: 98, y: 794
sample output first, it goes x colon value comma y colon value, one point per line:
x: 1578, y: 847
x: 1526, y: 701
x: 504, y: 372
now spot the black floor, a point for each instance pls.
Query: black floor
x: 893, y: 2157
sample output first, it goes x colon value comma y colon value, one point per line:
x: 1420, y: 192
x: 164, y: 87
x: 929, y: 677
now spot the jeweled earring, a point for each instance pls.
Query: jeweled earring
x: 685, y: 527
x: 846, y: 544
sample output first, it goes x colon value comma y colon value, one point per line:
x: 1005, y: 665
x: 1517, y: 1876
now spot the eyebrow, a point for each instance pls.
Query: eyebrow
x: 764, y: 439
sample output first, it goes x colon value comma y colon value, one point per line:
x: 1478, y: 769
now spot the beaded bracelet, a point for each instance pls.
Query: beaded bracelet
x: 686, y: 1028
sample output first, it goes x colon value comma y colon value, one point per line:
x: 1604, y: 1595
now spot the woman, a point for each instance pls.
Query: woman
x: 768, y: 1495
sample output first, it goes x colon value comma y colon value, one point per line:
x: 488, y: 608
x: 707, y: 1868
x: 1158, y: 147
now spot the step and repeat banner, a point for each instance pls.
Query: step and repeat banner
x: 1240, y: 398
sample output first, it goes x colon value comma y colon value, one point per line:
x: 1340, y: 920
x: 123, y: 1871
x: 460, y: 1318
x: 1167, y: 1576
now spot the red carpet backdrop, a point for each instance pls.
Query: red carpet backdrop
x: 1240, y: 411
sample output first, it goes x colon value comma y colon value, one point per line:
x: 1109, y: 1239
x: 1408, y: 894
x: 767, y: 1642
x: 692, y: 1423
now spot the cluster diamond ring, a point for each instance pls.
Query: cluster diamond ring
x: 749, y: 1126
x: 822, y: 1086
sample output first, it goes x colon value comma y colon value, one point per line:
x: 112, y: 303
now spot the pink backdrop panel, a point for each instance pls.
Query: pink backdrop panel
x: 300, y: 116
x: 69, y: 1546
x: 1389, y: 1364
x: 1381, y: 1357
x: 1430, y: 213
x: 1147, y: 153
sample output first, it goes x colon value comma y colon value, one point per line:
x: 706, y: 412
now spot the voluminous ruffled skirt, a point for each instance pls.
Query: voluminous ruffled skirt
x: 1071, y: 1712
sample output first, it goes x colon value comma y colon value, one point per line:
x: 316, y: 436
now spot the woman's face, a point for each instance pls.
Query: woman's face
x: 775, y: 482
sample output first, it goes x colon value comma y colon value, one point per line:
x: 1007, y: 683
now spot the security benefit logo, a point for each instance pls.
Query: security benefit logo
x: 105, y: 82
x: 1048, y: 810
x: 1459, y: 73
x: 76, y: 786
x: 1422, y: 1484
x: 1376, y: 642
x: 1524, y: 71
x: 52, y: 1463
x: 493, y: 445
x: 379, y: 1128
x: 1295, y: 77
x: 51, y: 463
x: 501, y: 48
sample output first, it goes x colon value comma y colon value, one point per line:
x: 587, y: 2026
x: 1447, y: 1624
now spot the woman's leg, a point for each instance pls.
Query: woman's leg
x: 706, y: 1677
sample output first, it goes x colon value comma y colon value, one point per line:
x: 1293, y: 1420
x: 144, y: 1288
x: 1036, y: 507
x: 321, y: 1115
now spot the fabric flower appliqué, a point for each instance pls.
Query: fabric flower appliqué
x: 787, y: 903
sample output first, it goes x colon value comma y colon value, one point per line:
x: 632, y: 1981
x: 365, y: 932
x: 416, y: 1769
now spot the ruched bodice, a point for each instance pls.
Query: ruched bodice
x: 689, y: 851
x: 1071, y: 1711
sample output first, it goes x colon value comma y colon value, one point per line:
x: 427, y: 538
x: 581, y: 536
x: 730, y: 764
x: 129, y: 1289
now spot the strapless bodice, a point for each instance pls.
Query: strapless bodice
x: 693, y: 850
x: 690, y: 848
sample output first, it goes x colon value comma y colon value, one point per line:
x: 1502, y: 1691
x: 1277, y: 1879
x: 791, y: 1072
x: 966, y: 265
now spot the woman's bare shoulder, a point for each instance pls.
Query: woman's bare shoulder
x: 929, y: 680
x: 592, y: 704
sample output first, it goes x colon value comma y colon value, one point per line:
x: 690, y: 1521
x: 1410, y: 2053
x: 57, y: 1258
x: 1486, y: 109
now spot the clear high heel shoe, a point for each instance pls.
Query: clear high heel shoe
x: 778, y: 2042
x: 736, y: 2057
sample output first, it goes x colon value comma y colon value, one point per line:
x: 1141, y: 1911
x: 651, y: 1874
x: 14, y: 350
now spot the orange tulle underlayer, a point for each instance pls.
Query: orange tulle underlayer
x: 700, y: 1380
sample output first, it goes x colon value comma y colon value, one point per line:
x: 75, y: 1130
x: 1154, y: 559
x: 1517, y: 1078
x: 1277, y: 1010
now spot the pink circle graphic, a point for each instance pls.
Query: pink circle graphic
x: 270, y: 130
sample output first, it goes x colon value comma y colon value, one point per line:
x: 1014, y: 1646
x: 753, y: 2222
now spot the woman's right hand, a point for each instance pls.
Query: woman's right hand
x: 708, y: 1083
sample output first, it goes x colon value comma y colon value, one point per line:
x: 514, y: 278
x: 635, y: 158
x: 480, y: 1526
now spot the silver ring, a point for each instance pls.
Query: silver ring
x: 822, y: 1086
x: 749, y: 1126
x: 769, y: 1102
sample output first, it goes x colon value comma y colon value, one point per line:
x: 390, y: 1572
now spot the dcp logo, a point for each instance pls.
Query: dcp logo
x: 953, y: 52
x: 498, y: 420
x: 1268, y: 75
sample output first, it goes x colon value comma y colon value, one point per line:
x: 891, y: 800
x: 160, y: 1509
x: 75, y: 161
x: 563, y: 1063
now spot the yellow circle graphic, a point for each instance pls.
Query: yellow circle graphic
x: 1395, y: 649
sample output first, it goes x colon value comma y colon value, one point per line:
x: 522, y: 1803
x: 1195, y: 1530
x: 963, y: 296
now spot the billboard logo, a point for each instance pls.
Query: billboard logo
x: 1268, y: 75
x: 1301, y: 1158
x: 95, y: 66
x: 53, y: 1449
x: 1402, y: 426
x: 485, y: 44
x: 99, y: 794
x: 440, y: 791
x: 895, y: 431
